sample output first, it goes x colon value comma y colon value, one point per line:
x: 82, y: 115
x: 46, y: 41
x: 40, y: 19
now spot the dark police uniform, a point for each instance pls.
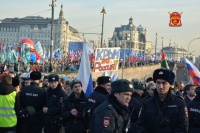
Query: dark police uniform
x: 75, y: 124
x: 111, y: 116
x: 163, y: 116
x: 194, y: 113
x: 32, y: 96
x: 166, y: 116
x: 135, y: 107
x: 99, y: 95
x: 54, y: 103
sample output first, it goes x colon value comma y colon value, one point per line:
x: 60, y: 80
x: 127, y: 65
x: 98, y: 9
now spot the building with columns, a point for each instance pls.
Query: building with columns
x: 131, y: 37
x: 37, y: 28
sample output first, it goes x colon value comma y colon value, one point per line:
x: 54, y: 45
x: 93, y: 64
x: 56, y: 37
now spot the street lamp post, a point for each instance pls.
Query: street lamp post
x: 35, y: 30
x: 124, y: 59
x: 52, y: 36
x: 162, y: 42
x: 191, y: 42
x: 103, y: 13
x: 144, y: 49
x: 131, y: 25
x: 155, y: 48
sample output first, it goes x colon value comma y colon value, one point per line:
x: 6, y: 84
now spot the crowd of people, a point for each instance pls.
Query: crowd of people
x: 50, y: 104
x: 60, y: 65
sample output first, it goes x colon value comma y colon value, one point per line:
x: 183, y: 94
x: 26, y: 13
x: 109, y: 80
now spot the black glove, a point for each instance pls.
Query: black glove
x: 23, y: 113
x: 30, y: 110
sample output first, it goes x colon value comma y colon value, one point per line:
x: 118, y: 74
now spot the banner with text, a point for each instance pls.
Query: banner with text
x: 106, y: 59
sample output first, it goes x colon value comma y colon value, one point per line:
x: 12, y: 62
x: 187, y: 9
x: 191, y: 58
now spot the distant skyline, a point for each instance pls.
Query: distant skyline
x: 85, y: 16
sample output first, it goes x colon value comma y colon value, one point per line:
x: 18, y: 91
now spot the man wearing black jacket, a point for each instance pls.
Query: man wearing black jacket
x: 99, y: 95
x: 9, y: 103
x: 73, y: 110
x: 135, y: 105
x: 163, y: 112
x: 194, y: 113
x: 32, y: 100
x: 112, y: 116
x: 53, y: 106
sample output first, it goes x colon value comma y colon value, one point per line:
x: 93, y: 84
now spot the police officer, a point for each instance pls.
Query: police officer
x: 136, y: 105
x: 32, y: 100
x: 73, y: 110
x: 194, y: 113
x: 53, y: 106
x: 112, y: 116
x: 164, y: 112
x: 99, y: 95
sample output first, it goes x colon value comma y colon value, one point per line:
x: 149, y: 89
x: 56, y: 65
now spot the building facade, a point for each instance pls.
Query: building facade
x: 177, y: 53
x: 131, y: 37
x: 37, y: 28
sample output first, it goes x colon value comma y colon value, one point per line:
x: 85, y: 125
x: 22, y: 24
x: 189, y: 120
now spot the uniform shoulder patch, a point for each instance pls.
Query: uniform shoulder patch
x: 106, y: 121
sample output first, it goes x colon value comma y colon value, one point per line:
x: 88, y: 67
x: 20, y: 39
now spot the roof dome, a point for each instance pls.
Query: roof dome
x: 140, y: 28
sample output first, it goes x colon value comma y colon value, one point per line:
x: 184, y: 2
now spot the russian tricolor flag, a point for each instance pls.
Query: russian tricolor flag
x: 84, y: 72
x: 193, y: 71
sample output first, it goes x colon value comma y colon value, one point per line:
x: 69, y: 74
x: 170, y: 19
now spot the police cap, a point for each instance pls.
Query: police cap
x: 165, y: 74
x: 138, y: 85
x: 53, y: 77
x: 35, y: 75
x: 121, y: 85
x: 75, y: 81
x: 103, y: 80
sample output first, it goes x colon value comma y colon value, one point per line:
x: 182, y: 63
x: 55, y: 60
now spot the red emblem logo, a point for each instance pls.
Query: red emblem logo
x: 175, y: 19
x: 106, y: 121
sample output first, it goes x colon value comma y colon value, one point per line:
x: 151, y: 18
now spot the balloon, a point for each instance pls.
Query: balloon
x: 73, y: 69
x: 27, y: 40
x: 32, y: 57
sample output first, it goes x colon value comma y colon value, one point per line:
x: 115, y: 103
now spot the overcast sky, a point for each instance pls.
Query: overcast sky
x: 84, y: 15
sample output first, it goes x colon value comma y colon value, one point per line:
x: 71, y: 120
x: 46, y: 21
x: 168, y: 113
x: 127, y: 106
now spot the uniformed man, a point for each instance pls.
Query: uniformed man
x: 112, y: 116
x: 163, y: 112
x: 32, y: 100
x: 73, y: 110
x: 53, y: 107
x: 194, y: 113
x: 135, y: 105
x: 99, y: 95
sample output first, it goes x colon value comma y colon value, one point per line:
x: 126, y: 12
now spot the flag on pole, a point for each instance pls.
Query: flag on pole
x: 193, y: 71
x: 164, y: 61
x: 84, y: 73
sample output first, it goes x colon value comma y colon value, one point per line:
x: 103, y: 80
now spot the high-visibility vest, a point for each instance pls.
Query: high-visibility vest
x: 8, y: 116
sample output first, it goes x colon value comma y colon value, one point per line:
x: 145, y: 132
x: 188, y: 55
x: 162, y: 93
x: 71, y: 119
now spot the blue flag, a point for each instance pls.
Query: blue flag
x: 84, y: 73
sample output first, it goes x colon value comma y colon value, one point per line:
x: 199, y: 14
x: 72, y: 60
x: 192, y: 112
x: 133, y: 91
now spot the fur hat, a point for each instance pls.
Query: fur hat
x: 35, y: 75
x: 15, y: 82
x: 75, y: 81
x: 103, y: 80
x: 165, y: 74
x: 53, y: 77
x: 121, y: 85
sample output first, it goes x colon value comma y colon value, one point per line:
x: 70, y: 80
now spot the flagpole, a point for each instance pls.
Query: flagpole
x: 155, y: 47
x: 52, y: 37
x: 124, y: 60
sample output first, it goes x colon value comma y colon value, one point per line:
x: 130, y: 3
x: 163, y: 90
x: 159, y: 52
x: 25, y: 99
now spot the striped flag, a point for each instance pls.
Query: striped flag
x: 193, y: 71
x: 164, y: 61
x: 84, y: 73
